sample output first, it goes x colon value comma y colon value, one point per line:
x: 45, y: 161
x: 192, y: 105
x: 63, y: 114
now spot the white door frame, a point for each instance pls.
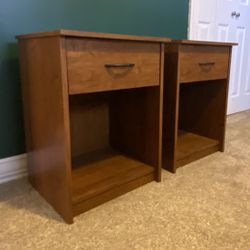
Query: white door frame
x: 190, y: 15
x: 241, y: 101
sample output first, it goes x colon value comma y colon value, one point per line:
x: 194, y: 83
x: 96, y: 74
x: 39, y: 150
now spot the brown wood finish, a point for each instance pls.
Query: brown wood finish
x: 87, y: 59
x: 201, y: 63
x: 207, y: 101
x: 160, y: 124
x: 202, y: 43
x: 134, y: 125
x: 198, y: 107
x: 89, y: 123
x: 101, y: 174
x: 96, y: 35
x: 71, y: 139
x: 170, y: 107
x: 225, y: 99
x: 192, y: 147
x: 112, y: 193
x: 46, y: 119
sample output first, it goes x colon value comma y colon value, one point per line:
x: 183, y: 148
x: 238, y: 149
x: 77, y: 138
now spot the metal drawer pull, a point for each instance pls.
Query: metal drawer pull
x: 206, y: 63
x: 120, y: 65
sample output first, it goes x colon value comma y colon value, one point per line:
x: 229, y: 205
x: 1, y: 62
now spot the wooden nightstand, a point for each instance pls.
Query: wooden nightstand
x: 195, y: 100
x: 93, y: 115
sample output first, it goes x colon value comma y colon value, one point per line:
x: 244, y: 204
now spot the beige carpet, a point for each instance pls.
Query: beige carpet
x: 206, y: 205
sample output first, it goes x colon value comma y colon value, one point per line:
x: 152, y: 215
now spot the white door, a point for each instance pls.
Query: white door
x: 227, y: 20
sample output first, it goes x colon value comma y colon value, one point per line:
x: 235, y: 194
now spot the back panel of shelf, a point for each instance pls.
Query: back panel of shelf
x: 114, y: 139
x: 202, y: 108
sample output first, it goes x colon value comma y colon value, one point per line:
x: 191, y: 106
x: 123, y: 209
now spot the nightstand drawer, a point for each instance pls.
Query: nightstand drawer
x: 101, y: 65
x: 201, y: 63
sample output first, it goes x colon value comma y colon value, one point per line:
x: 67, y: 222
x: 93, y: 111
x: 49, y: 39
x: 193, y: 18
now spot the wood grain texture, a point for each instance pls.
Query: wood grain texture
x: 225, y: 104
x: 47, y: 121
x: 86, y: 34
x: 207, y: 102
x: 191, y: 147
x: 83, y: 206
x: 87, y: 58
x: 102, y: 174
x: 198, y: 106
x: 131, y: 120
x: 203, y: 43
x: 134, y: 125
x: 201, y: 63
x: 170, y: 107
x: 161, y: 106
x: 89, y: 123
x: 69, y: 136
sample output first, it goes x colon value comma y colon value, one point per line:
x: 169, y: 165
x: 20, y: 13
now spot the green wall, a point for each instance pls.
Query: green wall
x: 142, y: 17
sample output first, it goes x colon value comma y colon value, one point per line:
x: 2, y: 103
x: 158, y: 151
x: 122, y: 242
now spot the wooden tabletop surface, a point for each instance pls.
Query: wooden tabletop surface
x: 98, y: 35
x: 196, y: 42
x: 77, y: 33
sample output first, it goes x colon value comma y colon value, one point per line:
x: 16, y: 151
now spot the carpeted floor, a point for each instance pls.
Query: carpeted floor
x: 206, y: 205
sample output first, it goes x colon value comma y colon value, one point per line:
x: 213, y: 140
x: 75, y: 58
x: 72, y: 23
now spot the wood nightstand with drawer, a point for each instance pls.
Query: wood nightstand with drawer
x: 93, y: 115
x: 195, y: 100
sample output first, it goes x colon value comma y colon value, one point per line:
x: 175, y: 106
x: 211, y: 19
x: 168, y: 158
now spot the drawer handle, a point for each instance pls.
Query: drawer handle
x: 120, y: 65
x: 206, y: 63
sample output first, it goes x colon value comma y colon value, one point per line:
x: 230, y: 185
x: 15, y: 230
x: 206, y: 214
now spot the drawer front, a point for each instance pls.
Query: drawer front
x: 201, y: 63
x: 100, y: 65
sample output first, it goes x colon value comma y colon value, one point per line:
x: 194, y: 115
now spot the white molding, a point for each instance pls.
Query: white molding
x: 190, y: 15
x: 13, y: 168
x: 190, y: 19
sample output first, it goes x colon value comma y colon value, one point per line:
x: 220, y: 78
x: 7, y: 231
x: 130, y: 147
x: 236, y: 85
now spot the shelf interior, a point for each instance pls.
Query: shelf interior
x: 191, y: 147
x: 97, y: 172
x: 114, y: 143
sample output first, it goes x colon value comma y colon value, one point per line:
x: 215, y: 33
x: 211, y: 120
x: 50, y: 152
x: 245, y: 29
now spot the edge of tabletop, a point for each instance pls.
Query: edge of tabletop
x: 98, y: 35
x: 197, y: 42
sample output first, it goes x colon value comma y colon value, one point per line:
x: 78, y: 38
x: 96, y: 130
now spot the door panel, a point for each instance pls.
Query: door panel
x: 247, y: 89
x: 239, y: 96
x: 234, y: 90
x: 244, y: 2
x: 222, y: 33
x: 227, y: 21
x: 203, y: 15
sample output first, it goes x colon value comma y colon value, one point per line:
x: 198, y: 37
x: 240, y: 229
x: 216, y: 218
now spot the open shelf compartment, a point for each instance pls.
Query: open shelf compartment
x: 201, y: 120
x: 102, y: 171
x: 191, y: 147
x: 114, y: 143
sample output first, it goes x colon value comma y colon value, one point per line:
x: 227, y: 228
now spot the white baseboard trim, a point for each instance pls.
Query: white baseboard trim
x: 13, y: 168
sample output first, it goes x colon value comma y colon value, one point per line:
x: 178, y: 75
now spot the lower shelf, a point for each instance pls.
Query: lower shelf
x: 191, y: 147
x: 103, y: 176
x: 110, y: 194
